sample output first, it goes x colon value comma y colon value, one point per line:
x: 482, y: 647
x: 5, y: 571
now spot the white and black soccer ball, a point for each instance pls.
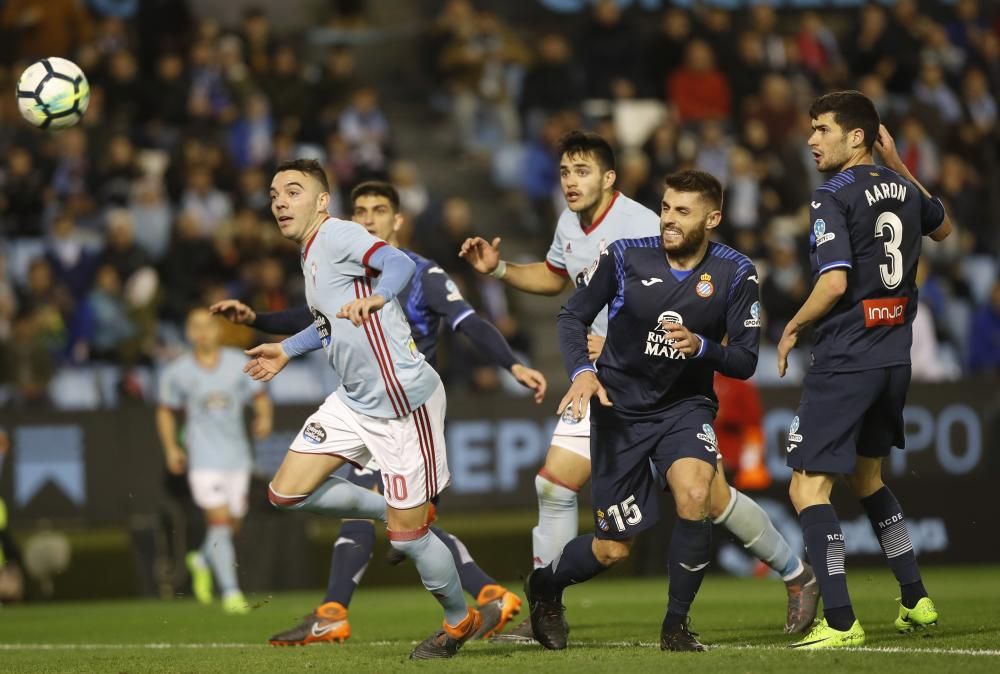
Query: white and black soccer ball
x: 53, y: 93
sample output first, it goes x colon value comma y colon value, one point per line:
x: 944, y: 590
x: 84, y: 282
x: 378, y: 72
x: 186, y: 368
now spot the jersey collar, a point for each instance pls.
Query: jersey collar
x: 305, y: 249
x: 599, y: 219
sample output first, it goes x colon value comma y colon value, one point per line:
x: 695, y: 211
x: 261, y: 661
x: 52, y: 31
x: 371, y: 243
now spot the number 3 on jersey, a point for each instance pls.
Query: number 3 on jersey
x: 892, y: 273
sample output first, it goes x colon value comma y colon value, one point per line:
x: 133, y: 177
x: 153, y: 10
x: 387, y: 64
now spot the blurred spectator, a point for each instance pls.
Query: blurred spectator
x: 41, y: 28
x: 966, y: 203
x: 116, y: 172
x: 204, y: 201
x: 152, y: 215
x: 764, y: 22
x: 634, y: 179
x: 338, y: 80
x: 73, y: 179
x: 111, y: 331
x: 251, y: 135
x: 69, y: 257
x: 932, y: 90
x: 785, y: 287
x: 414, y: 197
x: 609, y: 51
x: 752, y: 68
x: 664, y: 52
x: 699, y: 90
x: 188, y: 266
x: 984, y: 342
x: 365, y: 128
x: 939, y: 50
x: 926, y: 355
x: 21, y: 195
x: 713, y: 150
x: 979, y: 103
x: 553, y: 82
x: 257, y: 40
x: 918, y: 151
x: 123, y: 90
x: 166, y: 97
x: 817, y: 46
x: 290, y: 96
x: 121, y: 251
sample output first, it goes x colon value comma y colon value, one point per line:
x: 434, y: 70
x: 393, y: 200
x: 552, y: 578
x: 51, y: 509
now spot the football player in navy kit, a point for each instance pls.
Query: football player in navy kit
x: 680, y: 308
x: 867, y: 224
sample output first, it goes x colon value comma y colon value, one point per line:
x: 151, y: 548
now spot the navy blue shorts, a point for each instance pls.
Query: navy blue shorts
x: 629, y: 460
x: 845, y: 415
x: 367, y: 479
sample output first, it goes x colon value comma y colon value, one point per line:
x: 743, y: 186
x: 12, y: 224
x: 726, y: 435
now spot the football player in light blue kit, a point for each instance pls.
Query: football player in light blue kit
x: 209, y: 386
x: 596, y: 216
x: 390, y: 406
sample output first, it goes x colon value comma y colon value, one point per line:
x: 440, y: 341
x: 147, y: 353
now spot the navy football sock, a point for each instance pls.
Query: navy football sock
x: 473, y: 578
x: 575, y: 564
x: 825, y: 542
x: 887, y: 520
x: 690, y: 550
x: 351, y: 554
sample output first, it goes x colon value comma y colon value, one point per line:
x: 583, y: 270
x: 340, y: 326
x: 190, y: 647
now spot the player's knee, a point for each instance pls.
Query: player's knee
x: 284, y: 501
x: 693, y: 500
x: 552, y: 493
x: 609, y: 553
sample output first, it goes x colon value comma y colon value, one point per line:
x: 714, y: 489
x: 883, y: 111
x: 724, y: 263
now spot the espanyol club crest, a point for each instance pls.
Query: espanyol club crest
x: 567, y: 416
x: 704, y: 288
x: 754, y: 320
x: 602, y: 523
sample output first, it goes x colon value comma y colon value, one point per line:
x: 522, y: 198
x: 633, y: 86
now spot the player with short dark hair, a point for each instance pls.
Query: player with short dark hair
x: 867, y: 225
x: 654, y: 402
x: 596, y: 216
x: 428, y: 299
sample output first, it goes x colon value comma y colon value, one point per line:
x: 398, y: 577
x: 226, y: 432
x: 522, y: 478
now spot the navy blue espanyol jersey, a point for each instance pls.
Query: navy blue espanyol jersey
x: 869, y: 220
x: 642, y: 372
x: 430, y: 296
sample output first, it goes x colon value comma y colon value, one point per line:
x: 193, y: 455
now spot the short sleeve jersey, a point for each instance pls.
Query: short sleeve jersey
x: 212, y: 400
x: 869, y: 221
x: 575, y: 251
x: 382, y: 373
x: 429, y: 297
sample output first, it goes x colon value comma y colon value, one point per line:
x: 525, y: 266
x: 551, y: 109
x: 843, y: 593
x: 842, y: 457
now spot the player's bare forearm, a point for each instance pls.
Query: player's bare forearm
x: 891, y: 158
x: 535, y: 278
x: 166, y: 428
x: 829, y: 288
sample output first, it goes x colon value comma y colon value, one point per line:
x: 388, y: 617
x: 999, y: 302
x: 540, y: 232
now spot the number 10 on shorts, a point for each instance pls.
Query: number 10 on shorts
x: 626, y: 512
x: 395, y: 487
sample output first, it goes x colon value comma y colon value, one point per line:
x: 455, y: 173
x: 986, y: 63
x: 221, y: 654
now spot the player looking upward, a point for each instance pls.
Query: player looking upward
x: 595, y: 217
x: 868, y: 222
x: 652, y: 395
x: 209, y: 386
x: 428, y: 299
x: 389, y: 407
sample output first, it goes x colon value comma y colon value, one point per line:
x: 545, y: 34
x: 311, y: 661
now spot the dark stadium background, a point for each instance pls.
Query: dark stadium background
x: 458, y: 103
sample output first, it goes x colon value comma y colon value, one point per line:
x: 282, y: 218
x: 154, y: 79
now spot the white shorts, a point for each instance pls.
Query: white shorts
x: 212, y: 489
x: 573, y: 435
x: 410, y: 450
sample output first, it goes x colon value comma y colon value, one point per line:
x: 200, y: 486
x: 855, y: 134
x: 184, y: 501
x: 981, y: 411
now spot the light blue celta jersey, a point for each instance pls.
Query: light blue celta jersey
x: 575, y: 251
x: 212, y: 399
x: 381, y: 371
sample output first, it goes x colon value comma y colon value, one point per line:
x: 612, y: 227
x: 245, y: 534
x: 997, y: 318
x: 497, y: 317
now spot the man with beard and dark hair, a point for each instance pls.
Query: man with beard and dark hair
x: 596, y: 216
x: 672, y: 301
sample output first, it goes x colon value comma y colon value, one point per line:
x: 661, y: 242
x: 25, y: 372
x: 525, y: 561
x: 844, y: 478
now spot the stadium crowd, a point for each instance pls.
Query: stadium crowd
x: 159, y: 199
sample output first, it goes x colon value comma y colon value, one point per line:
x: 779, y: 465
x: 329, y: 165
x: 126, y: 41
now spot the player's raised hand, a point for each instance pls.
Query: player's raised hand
x: 577, y: 398
x: 266, y: 361
x: 533, y: 379
x: 595, y: 345
x: 235, y: 311
x: 358, y: 311
x: 482, y: 255
x: 887, y: 148
x: 785, y: 346
x: 684, y: 340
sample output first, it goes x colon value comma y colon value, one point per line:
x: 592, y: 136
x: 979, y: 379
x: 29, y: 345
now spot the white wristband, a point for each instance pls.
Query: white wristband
x: 500, y: 271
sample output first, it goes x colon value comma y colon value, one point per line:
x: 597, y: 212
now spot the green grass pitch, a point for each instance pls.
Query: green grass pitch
x: 614, y: 628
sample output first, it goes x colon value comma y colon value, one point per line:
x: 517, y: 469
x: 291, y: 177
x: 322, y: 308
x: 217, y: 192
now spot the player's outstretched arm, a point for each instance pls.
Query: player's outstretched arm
x: 286, y: 322
x: 890, y: 157
x: 829, y: 288
x: 234, y: 311
x: 535, y: 277
x: 485, y: 335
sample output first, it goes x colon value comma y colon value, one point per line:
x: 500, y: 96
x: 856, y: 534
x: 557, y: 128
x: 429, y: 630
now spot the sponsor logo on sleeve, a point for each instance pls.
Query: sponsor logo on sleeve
x: 819, y: 230
x: 793, y: 435
x: 888, y: 311
x: 707, y: 436
x: 754, y: 320
x: 454, y: 294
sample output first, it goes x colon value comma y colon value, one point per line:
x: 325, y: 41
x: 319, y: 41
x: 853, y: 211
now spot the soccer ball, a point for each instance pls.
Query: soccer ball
x: 53, y: 93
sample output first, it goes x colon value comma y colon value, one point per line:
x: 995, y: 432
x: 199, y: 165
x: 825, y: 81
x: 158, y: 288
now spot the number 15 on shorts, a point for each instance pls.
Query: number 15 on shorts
x: 621, y: 514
